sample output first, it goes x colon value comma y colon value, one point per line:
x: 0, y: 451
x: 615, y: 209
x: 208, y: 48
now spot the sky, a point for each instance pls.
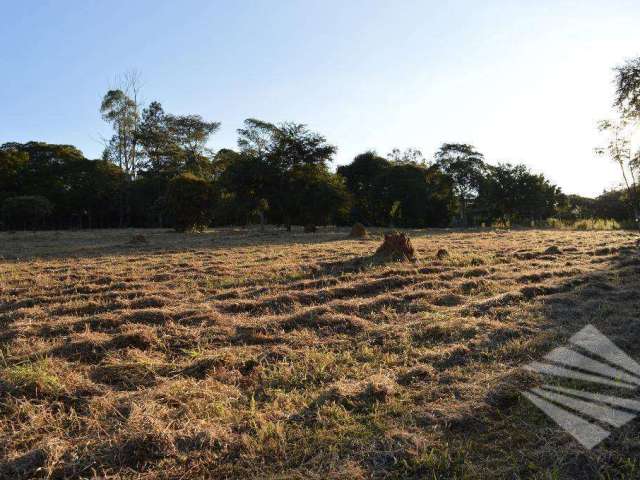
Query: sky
x: 525, y: 82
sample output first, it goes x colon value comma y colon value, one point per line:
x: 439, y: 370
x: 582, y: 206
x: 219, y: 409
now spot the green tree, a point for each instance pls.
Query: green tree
x: 13, y: 163
x: 275, y: 151
x: 466, y: 167
x: 122, y: 112
x: 361, y: 179
x: 25, y: 211
x: 414, y: 196
x: 620, y: 151
x: 512, y: 193
x: 174, y: 144
x: 411, y: 156
x: 319, y: 197
x: 189, y: 202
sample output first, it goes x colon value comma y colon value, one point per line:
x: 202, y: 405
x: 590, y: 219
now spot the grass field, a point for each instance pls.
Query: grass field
x: 239, y: 354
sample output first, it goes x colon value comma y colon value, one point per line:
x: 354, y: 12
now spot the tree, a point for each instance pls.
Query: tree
x: 154, y: 138
x: 174, y: 144
x: 25, y: 211
x: 83, y: 192
x: 402, y: 193
x: 318, y: 196
x: 411, y: 156
x: 627, y: 101
x: 627, y: 95
x: 189, y: 202
x: 275, y: 151
x: 612, y: 204
x: 511, y: 193
x: 414, y: 196
x: 361, y: 179
x: 466, y: 167
x: 620, y: 151
x: 121, y: 109
x: 190, y: 134
x: 13, y: 163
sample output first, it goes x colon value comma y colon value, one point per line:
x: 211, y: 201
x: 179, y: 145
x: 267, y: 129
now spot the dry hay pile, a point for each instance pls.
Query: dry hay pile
x: 396, y: 247
x: 138, y: 239
x: 358, y: 231
x: 442, y: 254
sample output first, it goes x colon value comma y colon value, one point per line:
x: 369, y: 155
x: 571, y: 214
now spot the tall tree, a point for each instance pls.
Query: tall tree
x: 173, y: 144
x: 279, y: 150
x: 190, y: 134
x: 410, y: 156
x: 627, y: 101
x: 627, y: 96
x: 120, y: 107
x: 619, y: 149
x: 154, y: 138
x: 361, y: 178
x: 512, y: 193
x: 466, y: 167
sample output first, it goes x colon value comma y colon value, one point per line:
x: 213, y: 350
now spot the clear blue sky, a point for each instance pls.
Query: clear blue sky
x: 523, y: 81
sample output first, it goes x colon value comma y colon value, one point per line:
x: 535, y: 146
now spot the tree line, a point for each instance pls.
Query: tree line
x: 157, y: 171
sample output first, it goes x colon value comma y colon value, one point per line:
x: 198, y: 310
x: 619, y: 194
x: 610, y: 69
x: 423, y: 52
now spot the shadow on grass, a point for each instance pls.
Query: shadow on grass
x: 509, y: 436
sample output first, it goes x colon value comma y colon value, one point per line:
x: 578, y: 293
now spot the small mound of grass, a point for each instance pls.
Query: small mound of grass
x: 358, y: 231
x: 396, y: 247
x: 553, y: 250
x: 35, y: 378
x: 138, y: 239
x: 442, y: 254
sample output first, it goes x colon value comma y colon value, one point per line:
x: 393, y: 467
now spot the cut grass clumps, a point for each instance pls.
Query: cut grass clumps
x: 363, y: 395
x: 238, y: 354
x: 396, y: 247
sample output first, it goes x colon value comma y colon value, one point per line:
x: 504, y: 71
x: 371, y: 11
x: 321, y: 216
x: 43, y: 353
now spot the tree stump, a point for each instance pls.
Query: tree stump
x: 358, y: 231
x: 396, y: 247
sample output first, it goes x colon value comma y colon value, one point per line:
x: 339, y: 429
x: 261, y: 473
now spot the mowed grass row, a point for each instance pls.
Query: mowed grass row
x: 237, y: 354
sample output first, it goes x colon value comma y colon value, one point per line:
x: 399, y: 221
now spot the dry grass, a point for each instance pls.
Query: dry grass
x: 239, y: 354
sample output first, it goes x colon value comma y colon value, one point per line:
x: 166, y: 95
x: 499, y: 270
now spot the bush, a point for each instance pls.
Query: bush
x: 596, y: 224
x: 584, y: 224
x: 26, y: 211
x: 555, y: 223
x: 189, y: 202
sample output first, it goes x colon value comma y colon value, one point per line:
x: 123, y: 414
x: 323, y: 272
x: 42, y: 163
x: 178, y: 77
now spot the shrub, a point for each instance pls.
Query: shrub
x: 501, y: 223
x: 189, y: 202
x: 555, y: 223
x: 596, y: 224
x: 584, y: 224
x: 26, y: 211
